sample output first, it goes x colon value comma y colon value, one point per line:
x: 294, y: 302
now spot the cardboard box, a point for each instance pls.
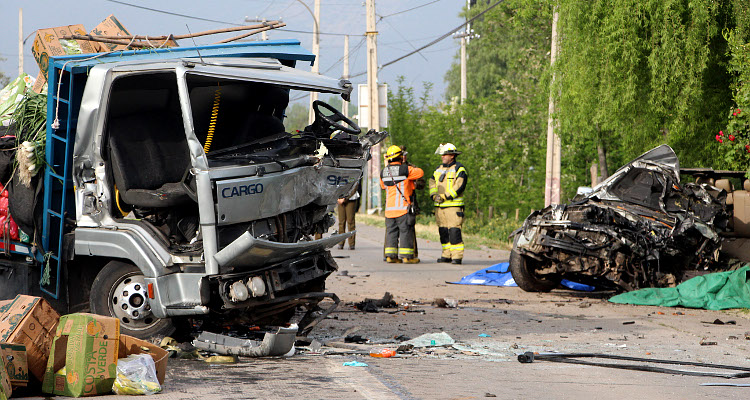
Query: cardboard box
x: 48, y: 43
x: 30, y: 321
x: 5, y: 305
x: 14, y: 357
x: 130, y: 345
x: 110, y: 27
x: 83, y: 358
x: 6, y: 390
x: 40, y: 84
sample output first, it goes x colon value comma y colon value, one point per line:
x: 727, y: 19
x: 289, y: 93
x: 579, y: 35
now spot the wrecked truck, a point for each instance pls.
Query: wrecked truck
x: 173, y: 189
x: 641, y: 227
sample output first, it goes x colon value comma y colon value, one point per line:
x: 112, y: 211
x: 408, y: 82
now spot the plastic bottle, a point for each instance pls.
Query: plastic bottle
x: 382, y: 353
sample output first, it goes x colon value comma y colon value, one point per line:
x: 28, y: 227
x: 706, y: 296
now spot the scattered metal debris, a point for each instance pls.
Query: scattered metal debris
x: 273, y: 344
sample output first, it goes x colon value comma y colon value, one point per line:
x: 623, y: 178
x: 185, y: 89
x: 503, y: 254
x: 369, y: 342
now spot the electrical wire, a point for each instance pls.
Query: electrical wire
x: 436, y: 40
x: 217, y: 21
x: 407, y: 10
x: 404, y: 38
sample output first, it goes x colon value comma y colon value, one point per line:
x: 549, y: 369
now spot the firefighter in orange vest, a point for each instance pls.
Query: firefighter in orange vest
x: 397, y: 179
x: 447, y: 186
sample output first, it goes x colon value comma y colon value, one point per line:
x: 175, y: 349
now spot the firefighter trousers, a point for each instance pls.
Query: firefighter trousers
x: 399, y: 237
x: 449, y: 221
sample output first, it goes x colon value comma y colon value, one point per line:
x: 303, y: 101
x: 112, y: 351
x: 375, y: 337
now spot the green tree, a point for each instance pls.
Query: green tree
x: 296, y: 117
x: 633, y: 75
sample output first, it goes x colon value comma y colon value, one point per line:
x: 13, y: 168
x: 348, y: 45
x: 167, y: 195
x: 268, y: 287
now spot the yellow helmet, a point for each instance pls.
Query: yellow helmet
x: 393, y: 152
x: 447, y: 148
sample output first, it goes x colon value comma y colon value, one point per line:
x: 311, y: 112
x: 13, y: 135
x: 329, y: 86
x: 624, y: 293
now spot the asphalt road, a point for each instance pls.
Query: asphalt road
x: 491, y: 325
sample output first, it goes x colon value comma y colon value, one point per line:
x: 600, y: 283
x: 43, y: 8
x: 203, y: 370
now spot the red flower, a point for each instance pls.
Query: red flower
x: 747, y: 147
x: 718, y: 139
x: 721, y: 133
x: 738, y: 111
x: 721, y: 141
x: 731, y: 137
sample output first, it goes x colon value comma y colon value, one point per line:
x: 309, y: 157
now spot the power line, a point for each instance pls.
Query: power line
x: 436, y: 40
x: 213, y: 20
x: 173, y: 13
x: 352, y: 51
x: 407, y: 10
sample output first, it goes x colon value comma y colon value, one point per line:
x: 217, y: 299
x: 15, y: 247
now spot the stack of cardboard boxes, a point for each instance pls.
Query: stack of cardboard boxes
x: 49, y: 43
x: 73, y: 355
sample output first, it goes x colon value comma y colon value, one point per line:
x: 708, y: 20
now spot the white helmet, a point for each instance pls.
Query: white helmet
x: 447, y: 148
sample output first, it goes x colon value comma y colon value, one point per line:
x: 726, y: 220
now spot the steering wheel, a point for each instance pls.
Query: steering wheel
x: 323, y: 123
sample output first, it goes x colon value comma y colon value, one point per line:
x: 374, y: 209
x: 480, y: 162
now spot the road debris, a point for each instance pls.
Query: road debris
x: 355, y: 364
x: 274, y: 344
x: 573, y: 358
x: 431, y: 340
x: 374, y: 305
x: 445, y: 303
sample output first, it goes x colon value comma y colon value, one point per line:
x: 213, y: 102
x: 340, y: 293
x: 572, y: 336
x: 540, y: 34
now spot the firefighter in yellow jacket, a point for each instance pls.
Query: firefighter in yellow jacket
x: 397, y: 179
x: 447, y: 186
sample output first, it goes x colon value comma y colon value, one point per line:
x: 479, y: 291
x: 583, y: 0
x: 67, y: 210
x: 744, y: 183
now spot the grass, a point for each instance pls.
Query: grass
x: 476, y: 234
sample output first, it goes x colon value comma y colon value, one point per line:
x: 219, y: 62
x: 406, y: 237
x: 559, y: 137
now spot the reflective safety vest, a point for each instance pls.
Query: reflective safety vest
x: 449, y: 181
x: 398, y: 182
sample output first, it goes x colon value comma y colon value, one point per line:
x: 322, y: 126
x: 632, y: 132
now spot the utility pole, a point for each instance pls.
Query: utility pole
x: 552, y: 178
x: 264, y: 34
x: 373, y: 105
x: 463, y: 37
x: 20, y: 41
x: 345, y: 75
x: 316, y: 51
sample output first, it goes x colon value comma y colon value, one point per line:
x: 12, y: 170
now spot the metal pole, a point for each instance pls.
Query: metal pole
x: 20, y: 41
x: 345, y: 75
x: 552, y: 179
x: 373, y: 104
x: 316, y: 51
x: 463, y: 69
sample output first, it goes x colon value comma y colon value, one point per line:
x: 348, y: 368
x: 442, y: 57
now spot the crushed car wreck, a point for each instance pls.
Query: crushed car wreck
x: 639, y: 228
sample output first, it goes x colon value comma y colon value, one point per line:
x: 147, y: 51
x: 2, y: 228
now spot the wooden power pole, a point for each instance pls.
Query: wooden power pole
x: 552, y: 178
x: 316, y: 51
x: 373, y: 105
x: 345, y: 75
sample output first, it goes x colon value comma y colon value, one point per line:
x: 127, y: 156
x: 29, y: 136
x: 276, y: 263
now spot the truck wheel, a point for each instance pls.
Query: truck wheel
x: 119, y: 291
x: 522, y: 268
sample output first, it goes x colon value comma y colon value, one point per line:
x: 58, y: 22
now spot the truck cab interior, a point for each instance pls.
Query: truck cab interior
x: 148, y: 155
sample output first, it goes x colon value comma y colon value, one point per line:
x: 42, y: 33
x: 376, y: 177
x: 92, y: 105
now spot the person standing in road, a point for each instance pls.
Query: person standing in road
x: 419, y: 184
x: 447, y: 186
x: 397, y: 179
x: 347, y: 210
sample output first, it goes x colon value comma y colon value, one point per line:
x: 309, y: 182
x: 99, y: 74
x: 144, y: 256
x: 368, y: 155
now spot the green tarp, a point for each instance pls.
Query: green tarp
x: 717, y: 291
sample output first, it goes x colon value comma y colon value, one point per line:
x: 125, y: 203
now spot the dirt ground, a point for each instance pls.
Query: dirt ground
x: 491, y: 326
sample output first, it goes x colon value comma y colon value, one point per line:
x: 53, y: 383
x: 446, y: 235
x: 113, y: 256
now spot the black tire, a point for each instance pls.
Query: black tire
x: 114, y: 277
x: 522, y: 268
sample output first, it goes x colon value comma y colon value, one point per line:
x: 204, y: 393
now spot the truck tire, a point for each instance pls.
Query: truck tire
x: 522, y: 268
x: 119, y: 291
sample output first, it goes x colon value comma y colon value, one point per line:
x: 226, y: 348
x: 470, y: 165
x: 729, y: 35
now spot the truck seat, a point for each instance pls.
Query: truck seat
x: 726, y: 185
x: 741, y: 218
x: 149, y: 157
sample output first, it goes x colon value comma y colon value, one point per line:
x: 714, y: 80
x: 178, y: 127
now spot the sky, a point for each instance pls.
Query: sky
x: 400, y: 29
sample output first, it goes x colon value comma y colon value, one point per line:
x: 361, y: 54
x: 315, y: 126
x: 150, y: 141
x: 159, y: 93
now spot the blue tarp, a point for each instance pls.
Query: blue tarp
x: 496, y: 275
x: 499, y: 275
